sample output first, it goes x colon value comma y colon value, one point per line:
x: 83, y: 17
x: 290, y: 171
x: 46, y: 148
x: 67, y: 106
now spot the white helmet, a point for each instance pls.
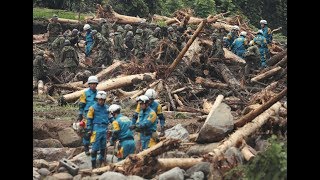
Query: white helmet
x: 86, y: 27
x: 251, y: 43
x: 93, y: 79
x: 114, y: 108
x: 263, y: 21
x: 101, y: 95
x: 151, y: 93
x: 143, y: 98
x: 236, y: 28
x: 260, y: 31
x: 243, y: 33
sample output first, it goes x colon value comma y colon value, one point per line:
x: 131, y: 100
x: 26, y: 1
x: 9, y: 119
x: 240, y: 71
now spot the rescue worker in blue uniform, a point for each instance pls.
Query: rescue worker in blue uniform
x: 98, y: 121
x: 146, y: 124
x: 240, y: 44
x: 231, y: 36
x: 261, y: 42
x: 121, y: 131
x: 89, y: 39
x: 155, y: 106
x: 267, y: 33
x: 87, y: 99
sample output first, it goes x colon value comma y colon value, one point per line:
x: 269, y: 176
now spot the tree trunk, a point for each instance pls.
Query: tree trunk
x: 109, y: 13
x: 245, y: 131
x: 187, y: 114
x: 69, y: 21
x: 210, y: 84
x: 220, y: 25
x: 282, y: 62
x: 67, y: 87
x: 233, y: 57
x: 266, y: 74
x: 207, y: 106
x: 176, y: 97
x: 247, y: 154
x: 201, y: 149
x: 113, y: 84
x: 145, y: 89
x: 179, y: 90
x: 102, y: 74
x: 250, y: 116
x: 124, y: 94
x: 190, y: 109
x: 185, y: 48
x: 170, y: 97
x: 183, y: 163
x: 227, y: 75
x: 276, y: 58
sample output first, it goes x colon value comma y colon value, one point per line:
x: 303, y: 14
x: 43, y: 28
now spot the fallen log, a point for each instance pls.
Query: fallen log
x: 250, y: 116
x: 201, y: 149
x: 152, y: 85
x: 244, y: 131
x: 123, y: 94
x: 276, y: 58
x: 109, y: 13
x: 113, y: 83
x: 247, y: 154
x: 190, y: 109
x: 176, y: 97
x: 282, y: 62
x: 206, y: 106
x: 210, y: 84
x: 69, y: 21
x: 170, y: 97
x: 226, y: 74
x: 180, y: 90
x: 183, y: 163
x: 220, y: 25
x: 266, y: 74
x: 186, y: 114
x: 102, y: 74
x: 185, y: 48
x: 40, y: 87
x: 67, y: 87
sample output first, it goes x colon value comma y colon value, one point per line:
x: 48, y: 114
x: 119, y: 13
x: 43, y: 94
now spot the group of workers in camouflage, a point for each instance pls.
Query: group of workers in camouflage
x: 95, y: 116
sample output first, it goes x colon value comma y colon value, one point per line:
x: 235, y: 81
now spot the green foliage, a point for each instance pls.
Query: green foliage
x: 181, y: 116
x: 161, y: 23
x: 131, y: 8
x: 47, y: 13
x: 271, y: 164
x: 170, y: 6
x: 203, y: 8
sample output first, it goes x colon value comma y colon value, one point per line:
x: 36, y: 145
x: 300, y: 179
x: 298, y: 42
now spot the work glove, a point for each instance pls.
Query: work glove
x: 80, y: 117
x: 161, y: 131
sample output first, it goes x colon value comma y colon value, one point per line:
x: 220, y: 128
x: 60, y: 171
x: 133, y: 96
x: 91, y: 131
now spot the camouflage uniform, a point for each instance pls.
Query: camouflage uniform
x: 137, y: 44
x: 217, y: 48
x: 57, y: 46
x: 54, y: 29
x: 119, y: 43
x: 104, y: 46
x: 69, y: 58
x: 157, y: 33
x: 39, y: 67
x: 145, y: 35
x: 128, y: 41
x: 105, y: 28
x: 252, y: 57
x: 152, y: 43
x: 74, y: 37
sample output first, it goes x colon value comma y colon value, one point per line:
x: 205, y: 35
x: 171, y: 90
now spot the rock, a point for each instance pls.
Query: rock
x: 173, y: 174
x: 90, y: 178
x: 53, y: 165
x: 40, y: 163
x: 112, y: 175
x: 69, y: 137
x: 199, y: 175
x: 217, y: 126
x: 109, y: 157
x: 261, y: 145
x: 63, y: 176
x: 174, y: 154
x: 44, y: 172
x: 177, y: 132
x: 36, y: 175
x: 204, y: 167
x: 50, y: 178
x: 82, y: 160
x: 62, y: 169
x: 233, y: 156
x: 134, y: 178
x: 47, y: 143
x: 51, y: 154
x: 77, y: 177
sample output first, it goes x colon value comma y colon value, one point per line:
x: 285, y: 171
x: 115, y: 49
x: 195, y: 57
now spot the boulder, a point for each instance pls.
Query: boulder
x: 44, y: 172
x: 199, y: 175
x: 173, y: 174
x: 204, y: 167
x: 47, y: 143
x: 63, y: 176
x: 177, y: 132
x: 134, y: 178
x: 217, y: 126
x: 234, y: 156
x: 51, y: 154
x: 36, y: 175
x: 112, y: 175
x: 69, y: 138
x: 40, y: 163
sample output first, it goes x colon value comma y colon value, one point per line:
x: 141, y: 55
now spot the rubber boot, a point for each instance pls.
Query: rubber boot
x: 86, y: 149
x: 93, y: 164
